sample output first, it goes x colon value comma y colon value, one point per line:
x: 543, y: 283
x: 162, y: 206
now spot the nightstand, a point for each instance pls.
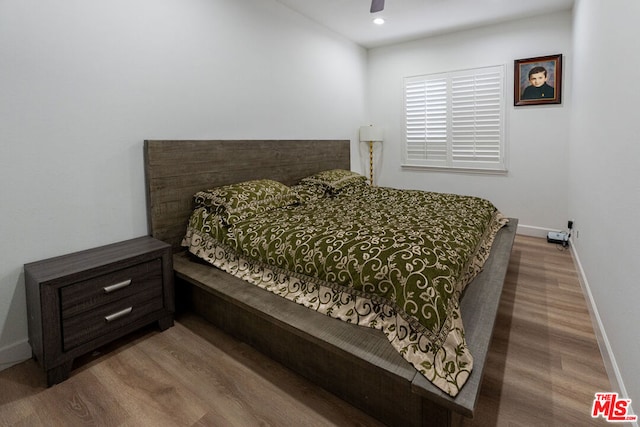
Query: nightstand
x: 81, y: 301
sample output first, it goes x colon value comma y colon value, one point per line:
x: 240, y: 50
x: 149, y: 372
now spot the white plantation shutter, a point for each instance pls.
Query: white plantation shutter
x: 426, y: 119
x: 455, y: 120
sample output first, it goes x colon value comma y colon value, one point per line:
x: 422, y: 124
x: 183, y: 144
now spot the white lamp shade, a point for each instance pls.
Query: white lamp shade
x: 371, y: 133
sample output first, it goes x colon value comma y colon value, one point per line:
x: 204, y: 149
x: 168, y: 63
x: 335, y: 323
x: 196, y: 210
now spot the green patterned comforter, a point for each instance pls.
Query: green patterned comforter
x: 396, y: 260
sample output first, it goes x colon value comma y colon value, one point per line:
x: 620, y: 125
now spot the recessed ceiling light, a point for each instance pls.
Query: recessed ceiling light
x: 378, y: 21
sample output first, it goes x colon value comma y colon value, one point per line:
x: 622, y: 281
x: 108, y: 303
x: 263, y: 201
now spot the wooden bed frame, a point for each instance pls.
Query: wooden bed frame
x: 356, y: 363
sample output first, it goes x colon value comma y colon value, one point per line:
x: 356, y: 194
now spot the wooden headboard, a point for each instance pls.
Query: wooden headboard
x: 176, y: 170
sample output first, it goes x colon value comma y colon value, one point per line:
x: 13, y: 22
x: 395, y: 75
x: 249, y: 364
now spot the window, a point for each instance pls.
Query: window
x: 455, y: 120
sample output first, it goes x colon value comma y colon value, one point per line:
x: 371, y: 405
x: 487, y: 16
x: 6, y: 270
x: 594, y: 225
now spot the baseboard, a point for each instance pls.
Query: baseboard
x: 613, y: 372
x: 533, y: 231
x: 14, y: 354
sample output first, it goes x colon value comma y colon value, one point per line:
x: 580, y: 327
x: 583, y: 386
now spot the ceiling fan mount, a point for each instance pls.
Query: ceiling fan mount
x: 376, y: 5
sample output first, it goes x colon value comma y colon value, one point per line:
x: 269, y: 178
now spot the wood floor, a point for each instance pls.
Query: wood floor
x: 543, y: 369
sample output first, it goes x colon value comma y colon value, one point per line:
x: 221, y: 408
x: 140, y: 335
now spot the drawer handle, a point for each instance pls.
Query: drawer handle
x: 117, y: 315
x: 115, y: 287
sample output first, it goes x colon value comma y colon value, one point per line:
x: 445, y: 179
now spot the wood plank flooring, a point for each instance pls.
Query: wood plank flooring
x: 544, y: 364
x: 543, y: 369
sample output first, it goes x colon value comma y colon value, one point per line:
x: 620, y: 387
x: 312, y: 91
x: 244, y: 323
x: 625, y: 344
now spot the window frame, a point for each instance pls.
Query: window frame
x: 467, y: 128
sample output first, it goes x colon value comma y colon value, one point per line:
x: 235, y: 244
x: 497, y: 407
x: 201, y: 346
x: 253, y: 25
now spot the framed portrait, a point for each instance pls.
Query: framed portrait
x: 538, y: 80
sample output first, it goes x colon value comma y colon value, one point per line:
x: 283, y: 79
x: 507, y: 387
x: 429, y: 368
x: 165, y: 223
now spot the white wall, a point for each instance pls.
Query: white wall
x: 83, y: 83
x: 535, y: 190
x: 604, y: 196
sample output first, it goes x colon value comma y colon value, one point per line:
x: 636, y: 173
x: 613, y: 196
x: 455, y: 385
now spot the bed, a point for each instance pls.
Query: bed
x: 357, y: 363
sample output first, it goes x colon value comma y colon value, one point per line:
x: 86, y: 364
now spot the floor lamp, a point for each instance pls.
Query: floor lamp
x: 371, y: 134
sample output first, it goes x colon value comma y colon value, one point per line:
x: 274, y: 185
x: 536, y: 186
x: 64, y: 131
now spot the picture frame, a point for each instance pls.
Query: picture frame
x: 537, y: 80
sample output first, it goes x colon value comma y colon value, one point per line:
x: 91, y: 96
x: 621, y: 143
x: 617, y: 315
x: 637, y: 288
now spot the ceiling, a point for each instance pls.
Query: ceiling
x: 412, y: 19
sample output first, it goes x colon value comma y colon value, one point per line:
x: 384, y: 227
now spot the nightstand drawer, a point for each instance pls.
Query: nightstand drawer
x: 87, y: 295
x: 106, y: 318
